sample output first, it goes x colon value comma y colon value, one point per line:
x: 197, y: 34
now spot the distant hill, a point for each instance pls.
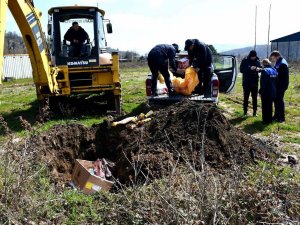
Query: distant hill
x: 242, y: 52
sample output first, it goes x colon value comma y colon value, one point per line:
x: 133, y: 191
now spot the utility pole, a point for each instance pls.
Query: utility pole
x: 269, y: 30
x: 255, y: 27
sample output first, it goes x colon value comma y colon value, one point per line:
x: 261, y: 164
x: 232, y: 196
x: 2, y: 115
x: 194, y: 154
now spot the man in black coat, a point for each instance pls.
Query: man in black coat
x: 249, y: 69
x: 267, y: 91
x: 76, y: 35
x: 282, y: 68
x: 200, y: 57
x: 159, y: 59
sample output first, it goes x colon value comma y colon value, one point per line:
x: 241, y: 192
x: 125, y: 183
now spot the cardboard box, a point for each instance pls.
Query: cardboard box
x: 183, y: 63
x: 87, y: 182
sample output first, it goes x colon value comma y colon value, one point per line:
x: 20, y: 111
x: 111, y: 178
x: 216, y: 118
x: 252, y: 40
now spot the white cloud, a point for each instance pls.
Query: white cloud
x: 155, y: 4
x: 92, y: 2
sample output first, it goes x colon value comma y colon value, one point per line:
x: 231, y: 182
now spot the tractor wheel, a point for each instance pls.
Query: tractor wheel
x: 114, y: 102
x: 118, y: 104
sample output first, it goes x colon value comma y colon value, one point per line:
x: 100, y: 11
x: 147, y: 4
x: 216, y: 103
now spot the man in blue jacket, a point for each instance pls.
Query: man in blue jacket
x: 282, y: 68
x: 249, y: 68
x: 267, y: 91
x: 200, y: 57
x: 159, y: 59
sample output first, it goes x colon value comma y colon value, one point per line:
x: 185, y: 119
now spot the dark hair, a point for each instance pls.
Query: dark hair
x: 74, y: 23
x: 275, y: 54
x: 188, y: 43
x: 253, y: 53
x: 176, y: 47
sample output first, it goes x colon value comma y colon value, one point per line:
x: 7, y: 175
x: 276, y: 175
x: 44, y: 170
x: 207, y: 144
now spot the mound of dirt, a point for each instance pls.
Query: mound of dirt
x: 182, y: 133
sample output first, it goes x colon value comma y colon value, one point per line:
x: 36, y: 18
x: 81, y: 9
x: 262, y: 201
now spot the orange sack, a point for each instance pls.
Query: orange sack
x: 187, y: 85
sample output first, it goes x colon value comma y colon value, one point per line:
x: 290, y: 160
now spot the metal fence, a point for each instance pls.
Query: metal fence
x: 17, y: 67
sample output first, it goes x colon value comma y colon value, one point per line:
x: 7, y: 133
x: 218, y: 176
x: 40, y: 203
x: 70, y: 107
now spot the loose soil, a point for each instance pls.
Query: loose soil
x: 177, y: 135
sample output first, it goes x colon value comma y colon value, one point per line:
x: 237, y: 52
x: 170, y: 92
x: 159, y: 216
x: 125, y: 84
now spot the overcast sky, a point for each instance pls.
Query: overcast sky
x: 140, y: 24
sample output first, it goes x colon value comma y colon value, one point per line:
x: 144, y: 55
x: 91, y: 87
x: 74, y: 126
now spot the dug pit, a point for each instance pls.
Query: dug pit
x: 183, y: 133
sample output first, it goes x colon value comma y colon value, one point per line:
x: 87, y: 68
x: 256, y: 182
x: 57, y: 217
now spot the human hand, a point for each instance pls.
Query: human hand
x: 258, y: 69
x: 253, y: 67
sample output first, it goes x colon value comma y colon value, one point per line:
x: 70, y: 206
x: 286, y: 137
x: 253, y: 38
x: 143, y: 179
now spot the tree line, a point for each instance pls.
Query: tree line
x: 14, y: 44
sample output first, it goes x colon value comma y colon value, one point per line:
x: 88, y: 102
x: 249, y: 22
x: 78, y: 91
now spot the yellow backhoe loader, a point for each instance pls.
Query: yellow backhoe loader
x: 57, y: 71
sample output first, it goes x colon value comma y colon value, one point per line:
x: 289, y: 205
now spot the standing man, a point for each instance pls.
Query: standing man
x: 267, y: 91
x: 159, y: 59
x: 76, y: 35
x: 200, y: 57
x: 282, y: 68
x: 249, y: 69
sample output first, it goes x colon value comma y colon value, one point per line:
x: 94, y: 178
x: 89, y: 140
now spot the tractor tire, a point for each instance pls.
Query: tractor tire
x: 118, y: 104
x: 114, y: 103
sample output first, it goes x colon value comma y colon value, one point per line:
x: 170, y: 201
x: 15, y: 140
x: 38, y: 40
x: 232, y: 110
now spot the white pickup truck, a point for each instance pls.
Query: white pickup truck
x: 223, y: 81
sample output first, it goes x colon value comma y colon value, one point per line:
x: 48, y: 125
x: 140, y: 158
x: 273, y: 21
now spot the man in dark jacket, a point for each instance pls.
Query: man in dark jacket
x: 159, y: 59
x: 249, y: 69
x: 267, y: 91
x: 282, y: 68
x: 200, y: 57
x: 76, y: 35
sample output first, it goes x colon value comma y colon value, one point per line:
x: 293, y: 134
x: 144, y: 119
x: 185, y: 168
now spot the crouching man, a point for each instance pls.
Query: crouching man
x: 159, y: 59
x: 200, y: 57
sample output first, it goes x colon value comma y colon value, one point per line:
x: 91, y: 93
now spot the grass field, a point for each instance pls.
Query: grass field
x: 288, y: 131
x: 18, y: 99
x: 28, y: 195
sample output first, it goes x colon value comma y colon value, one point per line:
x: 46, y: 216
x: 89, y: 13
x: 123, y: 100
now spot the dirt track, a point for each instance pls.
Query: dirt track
x: 174, y: 136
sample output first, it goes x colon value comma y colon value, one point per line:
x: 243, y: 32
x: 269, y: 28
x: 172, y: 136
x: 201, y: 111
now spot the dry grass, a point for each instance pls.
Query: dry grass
x: 258, y: 194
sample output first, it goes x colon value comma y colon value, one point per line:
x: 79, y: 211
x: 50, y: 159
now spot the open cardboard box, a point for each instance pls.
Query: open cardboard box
x: 87, y: 182
x: 183, y: 63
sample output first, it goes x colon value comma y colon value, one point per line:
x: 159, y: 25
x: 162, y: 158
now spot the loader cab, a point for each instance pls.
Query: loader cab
x: 91, y: 20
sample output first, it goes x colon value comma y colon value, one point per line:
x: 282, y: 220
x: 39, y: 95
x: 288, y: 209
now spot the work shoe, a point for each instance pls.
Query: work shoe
x: 281, y: 120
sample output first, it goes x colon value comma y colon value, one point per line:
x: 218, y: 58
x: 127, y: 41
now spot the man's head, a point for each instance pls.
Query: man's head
x: 75, y: 26
x: 275, y: 55
x: 189, y: 45
x: 266, y: 62
x: 176, y: 47
x: 253, y: 55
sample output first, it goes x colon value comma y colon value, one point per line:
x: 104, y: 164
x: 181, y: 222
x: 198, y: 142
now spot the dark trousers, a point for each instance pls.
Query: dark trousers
x: 279, y: 105
x: 254, y: 92
x: 76, y: 49
x: 157, y: 65
x: 267, y: 109
x: 204, y: 76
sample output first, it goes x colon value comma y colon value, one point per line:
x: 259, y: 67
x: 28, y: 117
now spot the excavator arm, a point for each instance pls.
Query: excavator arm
x: 28, y: 19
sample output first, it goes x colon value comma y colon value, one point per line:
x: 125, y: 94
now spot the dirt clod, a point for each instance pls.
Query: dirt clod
x: 183, y: 133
